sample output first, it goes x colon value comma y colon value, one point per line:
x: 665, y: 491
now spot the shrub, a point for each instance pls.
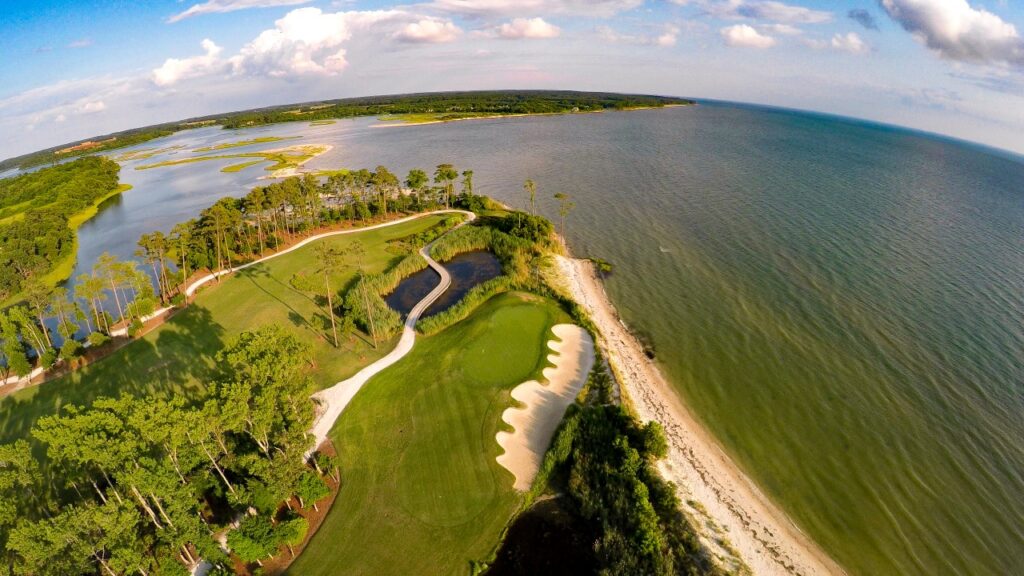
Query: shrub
x: 134, y: 328
x: 70, y: 350
x: 97, y: 339
x: 48, y: 359
x: 254, y: 539
x: 311, y: 490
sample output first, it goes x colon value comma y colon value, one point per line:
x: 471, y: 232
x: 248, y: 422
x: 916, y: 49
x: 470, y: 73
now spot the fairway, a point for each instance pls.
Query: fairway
x: 421, y: 490
x: 178, y: 356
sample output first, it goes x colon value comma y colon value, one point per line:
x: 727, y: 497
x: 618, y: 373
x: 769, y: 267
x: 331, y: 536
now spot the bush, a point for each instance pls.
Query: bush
x: 254, y: 539
x: 178, y: 299
x: 70, y: 350
x: 48, y: 359
x: 134, y: 328
x: 97, y: 339
x: 312, y: 489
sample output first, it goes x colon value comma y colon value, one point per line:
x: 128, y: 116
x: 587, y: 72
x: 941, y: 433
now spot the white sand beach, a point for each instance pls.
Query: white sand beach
x: 736, y: 520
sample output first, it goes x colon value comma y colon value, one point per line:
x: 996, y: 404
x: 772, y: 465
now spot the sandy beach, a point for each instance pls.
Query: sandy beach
x: 741, y: 527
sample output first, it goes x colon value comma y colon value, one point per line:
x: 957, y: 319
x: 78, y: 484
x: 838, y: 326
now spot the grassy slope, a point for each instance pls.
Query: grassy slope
x: 178, y: 356
x: 421, y: 491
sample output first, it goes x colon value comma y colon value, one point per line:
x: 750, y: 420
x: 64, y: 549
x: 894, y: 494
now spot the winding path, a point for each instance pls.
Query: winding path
x: 334, y: 399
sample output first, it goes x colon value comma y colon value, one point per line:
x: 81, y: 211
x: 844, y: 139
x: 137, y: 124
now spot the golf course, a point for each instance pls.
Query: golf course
x: 422, y: 492
x: 179, y: 356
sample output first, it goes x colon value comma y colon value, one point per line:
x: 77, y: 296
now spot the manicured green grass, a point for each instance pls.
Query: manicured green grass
x: 178, y: 357
x: 240, y: 143
x: 421, y: 490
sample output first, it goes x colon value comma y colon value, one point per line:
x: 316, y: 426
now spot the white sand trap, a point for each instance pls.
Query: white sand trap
x: 544, y: 405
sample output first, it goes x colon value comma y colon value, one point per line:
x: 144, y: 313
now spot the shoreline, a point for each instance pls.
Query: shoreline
x: 398, y: 123
x: 737, y: 522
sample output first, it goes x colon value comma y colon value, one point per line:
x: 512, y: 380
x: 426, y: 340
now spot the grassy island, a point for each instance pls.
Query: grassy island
x: 287, y: 158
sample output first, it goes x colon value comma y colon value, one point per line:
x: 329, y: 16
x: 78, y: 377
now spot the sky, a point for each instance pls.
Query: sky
x: 71, y: 69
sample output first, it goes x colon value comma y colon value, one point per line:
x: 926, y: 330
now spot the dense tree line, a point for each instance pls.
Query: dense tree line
x: 516, y: 102
x: 105, y: 143
x: 145, y: 485
x: 34, y: 212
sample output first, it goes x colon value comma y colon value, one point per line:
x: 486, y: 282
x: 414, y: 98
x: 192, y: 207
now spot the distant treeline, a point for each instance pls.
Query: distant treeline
x: 34, y: 212
x: 531, y: 102
x: 456, y: 103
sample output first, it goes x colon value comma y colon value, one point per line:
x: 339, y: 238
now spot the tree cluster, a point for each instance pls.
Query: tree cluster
x: 145, y: 485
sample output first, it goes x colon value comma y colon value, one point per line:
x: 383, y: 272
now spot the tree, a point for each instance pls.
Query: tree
x: 531, y: 191
x: 311, y: 490
x: 356, y: 252
x: 385, y: 183
x: 254, y: 539
x: 416, y: 181
x: 565, y: 206
x: 445, y: 175
x: 14, y: 349
x: 107, y: 267
x: 91, y: 288
x: 181, y: 237
x: 292, y: 532
x: 467, y: 184
x: 330, y: 262
x: 38, y: 296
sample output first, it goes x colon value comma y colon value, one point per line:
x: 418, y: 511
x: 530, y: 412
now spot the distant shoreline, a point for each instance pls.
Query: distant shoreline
x: 398, y: 122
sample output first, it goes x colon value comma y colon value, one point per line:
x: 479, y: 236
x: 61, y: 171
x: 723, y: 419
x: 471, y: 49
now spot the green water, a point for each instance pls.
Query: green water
x: 842, y: 304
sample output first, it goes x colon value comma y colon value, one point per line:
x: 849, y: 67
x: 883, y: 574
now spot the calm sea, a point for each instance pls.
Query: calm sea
x: 841, y: 303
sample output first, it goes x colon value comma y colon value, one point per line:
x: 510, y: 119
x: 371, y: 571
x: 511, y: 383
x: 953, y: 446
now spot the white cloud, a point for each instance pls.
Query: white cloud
x: 429, y: 30
x: 744, y: 36
x: 220, y: 6
x: 174, y: 70
x: 81, y: 43
x: 535, y: 28
x: 849, y: 42
x: 666, y: 39
x: 592, y: 8
x: 782, y: 29
x: 958, y: 31
x: 92, y: 107
x: 767, y: 10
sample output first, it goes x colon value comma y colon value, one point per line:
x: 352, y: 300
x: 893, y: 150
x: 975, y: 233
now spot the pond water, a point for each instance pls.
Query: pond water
x: 468, y: 269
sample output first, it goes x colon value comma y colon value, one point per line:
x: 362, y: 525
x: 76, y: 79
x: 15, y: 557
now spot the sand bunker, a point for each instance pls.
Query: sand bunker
x: 544, y: 405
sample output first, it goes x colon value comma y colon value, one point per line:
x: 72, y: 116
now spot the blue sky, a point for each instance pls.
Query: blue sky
x: 74, y: 69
